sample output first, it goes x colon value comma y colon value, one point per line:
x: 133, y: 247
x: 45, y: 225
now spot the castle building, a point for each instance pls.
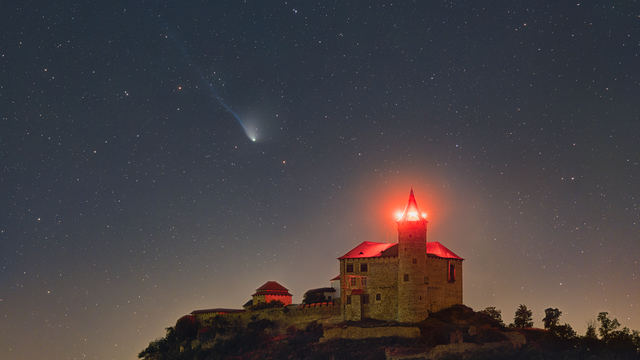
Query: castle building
x: 401, y: 281
x: 271, y: 291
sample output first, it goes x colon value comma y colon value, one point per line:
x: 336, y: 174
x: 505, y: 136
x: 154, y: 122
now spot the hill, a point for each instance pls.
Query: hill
x: 454, y: 333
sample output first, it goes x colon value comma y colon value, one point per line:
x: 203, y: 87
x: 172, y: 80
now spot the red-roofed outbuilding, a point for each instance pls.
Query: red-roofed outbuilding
x: 270, y: 291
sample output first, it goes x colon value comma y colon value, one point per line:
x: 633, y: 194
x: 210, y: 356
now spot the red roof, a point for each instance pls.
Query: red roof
x: 336, y: 278
x: 272, y: 288
x: 439, y: 250
x: 369, y: 249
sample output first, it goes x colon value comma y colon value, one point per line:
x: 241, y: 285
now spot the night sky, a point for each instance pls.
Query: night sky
x: 132, y: 194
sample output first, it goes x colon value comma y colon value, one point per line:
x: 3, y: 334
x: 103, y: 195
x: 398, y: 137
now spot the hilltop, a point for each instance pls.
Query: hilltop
x: 457, y: 332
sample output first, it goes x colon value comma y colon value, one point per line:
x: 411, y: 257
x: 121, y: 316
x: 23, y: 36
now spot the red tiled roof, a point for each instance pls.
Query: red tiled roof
x: 336, y: 278
x: 439, y: 250
x: 272, y: 285
x: 369, y: 249
x: 272, y: 288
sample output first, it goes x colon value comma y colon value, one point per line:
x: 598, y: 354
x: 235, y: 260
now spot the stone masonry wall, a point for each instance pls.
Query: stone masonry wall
x: 442, y: 293
x: 299, y: 316
x: 354, y: 332
x: 381, y: 278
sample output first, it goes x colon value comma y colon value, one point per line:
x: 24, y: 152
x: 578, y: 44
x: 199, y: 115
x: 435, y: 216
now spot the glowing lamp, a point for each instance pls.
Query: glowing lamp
x: 411, y: 211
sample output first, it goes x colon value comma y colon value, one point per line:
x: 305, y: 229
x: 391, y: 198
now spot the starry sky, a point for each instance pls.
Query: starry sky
x: 133, y: 192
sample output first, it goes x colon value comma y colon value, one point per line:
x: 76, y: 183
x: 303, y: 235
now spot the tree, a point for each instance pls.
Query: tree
x: 523, y: 318
x: 607, y: 326
x: 591, y: 332
x: 563, y: 332
x: 551, y: 318
x: 186, y: 327
x: 493, y: 313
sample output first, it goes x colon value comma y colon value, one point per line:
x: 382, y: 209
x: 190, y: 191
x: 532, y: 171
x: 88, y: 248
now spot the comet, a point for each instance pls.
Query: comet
x: 251, y: 133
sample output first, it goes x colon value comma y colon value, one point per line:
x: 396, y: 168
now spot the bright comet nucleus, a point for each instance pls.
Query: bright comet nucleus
x: 251, y: 129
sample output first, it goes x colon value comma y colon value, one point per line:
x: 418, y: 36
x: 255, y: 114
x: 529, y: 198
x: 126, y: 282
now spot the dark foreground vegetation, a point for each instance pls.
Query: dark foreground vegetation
x: 226, y: 341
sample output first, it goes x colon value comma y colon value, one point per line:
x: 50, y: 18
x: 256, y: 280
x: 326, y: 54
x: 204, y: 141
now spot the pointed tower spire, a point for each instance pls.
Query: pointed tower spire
x: 411, y: 211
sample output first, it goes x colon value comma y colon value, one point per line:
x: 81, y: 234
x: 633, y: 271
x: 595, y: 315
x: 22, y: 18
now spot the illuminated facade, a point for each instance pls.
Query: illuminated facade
x: 271, y: 291
x: 402, y: 281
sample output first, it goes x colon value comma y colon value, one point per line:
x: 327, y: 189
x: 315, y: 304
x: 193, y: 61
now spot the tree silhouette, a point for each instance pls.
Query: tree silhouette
x: 493, y: 313
x: 523, y: 318
x: 607, y: 326
x: 551, y: 318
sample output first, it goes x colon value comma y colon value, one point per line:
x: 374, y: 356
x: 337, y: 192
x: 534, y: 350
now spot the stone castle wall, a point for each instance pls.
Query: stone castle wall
x: 354, y: 332
x: 300, y: 316
x: 443, y: 293
x: 382, y: 278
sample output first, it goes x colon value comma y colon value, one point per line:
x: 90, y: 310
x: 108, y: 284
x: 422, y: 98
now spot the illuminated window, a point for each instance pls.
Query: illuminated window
x: 363, y: 281
x: 363, y: 267
x: 378, y: 297
x: 406, y: 277
x: 365, y: 298
x: 349, y: 267
x: 415, y: 261
x: 348, y: 300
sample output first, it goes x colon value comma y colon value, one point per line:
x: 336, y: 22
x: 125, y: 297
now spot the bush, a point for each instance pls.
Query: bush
x: 487, y: 334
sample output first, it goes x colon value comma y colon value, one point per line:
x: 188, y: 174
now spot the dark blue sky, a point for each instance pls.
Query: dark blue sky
x: 131, y: 196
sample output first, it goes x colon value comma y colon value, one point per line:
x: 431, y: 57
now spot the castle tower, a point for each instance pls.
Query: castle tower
x: 412, y: 264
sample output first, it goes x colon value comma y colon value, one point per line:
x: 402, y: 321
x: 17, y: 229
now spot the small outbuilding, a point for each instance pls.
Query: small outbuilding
x: 271, y: 291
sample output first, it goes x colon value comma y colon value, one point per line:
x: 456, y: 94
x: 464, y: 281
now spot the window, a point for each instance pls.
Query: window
x: 365, y: 298
x: 406, y: 277
x: 452, y: 272
x: 363, y: 281
x: 426, y: 279
x: 415, y: 261
x: 349, y: 267
x: 378, y: 297
x: 363, y: 267
x: 352, y: 281
x: 348, y: 300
